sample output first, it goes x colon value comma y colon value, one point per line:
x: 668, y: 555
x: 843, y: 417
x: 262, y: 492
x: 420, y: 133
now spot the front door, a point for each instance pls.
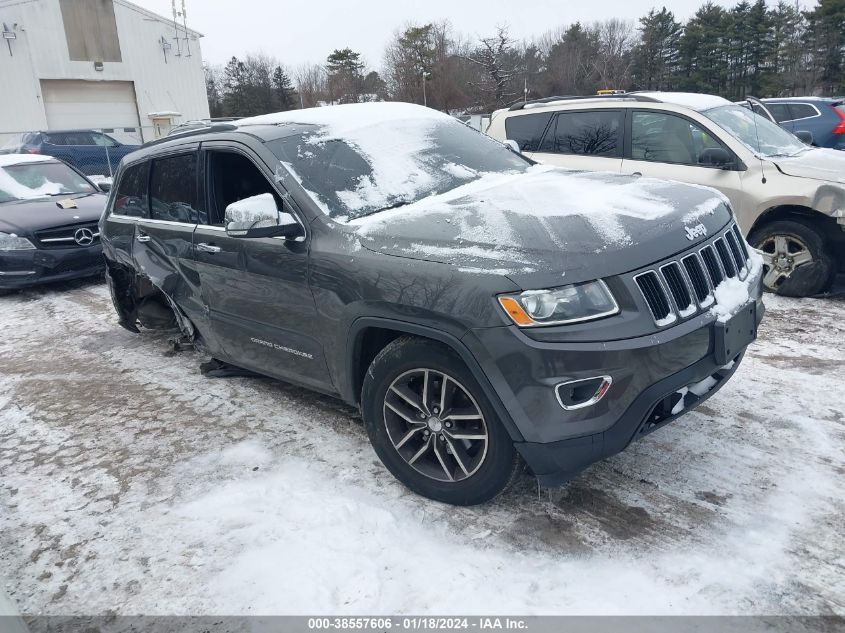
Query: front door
x: 256, y: 289
x: 583, y: 139
x: 669, y: 146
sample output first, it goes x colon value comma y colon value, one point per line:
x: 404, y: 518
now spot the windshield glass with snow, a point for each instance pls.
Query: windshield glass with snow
x: 389, y: 163
x: 755, y: 132
x: 39, y: 180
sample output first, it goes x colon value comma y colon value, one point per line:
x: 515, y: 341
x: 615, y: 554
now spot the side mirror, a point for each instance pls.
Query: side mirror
x: 512, y: 146
x: 258, y: 216
x: 715, y: 157
x: 104, y: 186
x: 805, y: 137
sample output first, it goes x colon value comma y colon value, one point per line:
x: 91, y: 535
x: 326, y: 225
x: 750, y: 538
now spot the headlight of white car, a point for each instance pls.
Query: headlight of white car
x: 11, y: 242
x: 557, y: 306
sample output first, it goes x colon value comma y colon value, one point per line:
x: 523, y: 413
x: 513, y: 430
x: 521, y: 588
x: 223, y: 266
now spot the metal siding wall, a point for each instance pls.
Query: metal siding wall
x: 40, y: 52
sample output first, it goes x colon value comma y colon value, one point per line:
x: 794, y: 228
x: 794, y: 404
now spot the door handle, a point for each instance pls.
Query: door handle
x: 142, y: 238
x: 208, y: 248
x: 637, y: 173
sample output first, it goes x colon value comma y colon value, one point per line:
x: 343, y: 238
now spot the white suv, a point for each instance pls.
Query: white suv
x: 789, y: 197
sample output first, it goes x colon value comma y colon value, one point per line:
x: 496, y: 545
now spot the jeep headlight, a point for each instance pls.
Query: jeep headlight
x: 556, y: 306
x: 11, y: 242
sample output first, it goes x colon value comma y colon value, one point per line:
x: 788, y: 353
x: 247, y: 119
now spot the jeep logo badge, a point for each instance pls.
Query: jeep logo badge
x: 699, y: 230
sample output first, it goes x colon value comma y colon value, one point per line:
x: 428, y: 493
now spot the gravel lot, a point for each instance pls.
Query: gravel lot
x: 132, y: 484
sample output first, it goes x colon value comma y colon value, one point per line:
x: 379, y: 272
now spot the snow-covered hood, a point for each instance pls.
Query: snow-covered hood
x: 25, y: 216
x: 818, y: 164
x: 547, y: 222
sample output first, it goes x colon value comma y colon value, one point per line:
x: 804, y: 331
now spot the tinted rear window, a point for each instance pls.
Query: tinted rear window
x: 802, y: 110
x: 779, y: 110
x: 173, y: 188
x: 595, y: 133
x: 527, y: 130
x: 131, y: 198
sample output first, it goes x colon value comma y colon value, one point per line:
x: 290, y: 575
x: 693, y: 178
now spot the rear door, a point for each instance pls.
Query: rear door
x: 163, y: 244
x: 584, y: 139
x: 256, y: 289
x: 668, y: 145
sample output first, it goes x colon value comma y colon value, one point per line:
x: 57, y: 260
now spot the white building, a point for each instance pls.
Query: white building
x: 103, y: 64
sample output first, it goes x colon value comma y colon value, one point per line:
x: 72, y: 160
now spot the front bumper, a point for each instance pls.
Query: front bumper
x: 21, y: 269
x: 647, y: 373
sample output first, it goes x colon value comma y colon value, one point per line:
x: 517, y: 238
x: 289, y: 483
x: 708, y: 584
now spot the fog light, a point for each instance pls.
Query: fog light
x: 577, y: 394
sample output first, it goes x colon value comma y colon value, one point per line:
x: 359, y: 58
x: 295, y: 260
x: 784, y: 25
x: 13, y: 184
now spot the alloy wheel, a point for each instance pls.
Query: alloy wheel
x: 782, y: 254
x: 435, y: 425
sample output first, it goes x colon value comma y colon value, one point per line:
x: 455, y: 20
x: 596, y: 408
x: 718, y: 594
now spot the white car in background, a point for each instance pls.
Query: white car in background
x: 789, y: 197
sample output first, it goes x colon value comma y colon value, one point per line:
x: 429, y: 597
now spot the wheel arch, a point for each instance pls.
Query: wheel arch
x: 369, y: 335
x: 826, y: 224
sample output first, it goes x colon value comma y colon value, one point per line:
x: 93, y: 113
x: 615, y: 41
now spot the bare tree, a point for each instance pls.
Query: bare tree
x: 613, y: 62
x: 311, y: 83
x: 498, y: 59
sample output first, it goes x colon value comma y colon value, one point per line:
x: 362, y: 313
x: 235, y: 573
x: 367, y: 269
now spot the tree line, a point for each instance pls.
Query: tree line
x: 749, y: 49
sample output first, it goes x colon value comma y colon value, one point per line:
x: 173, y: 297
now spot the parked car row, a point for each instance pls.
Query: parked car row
x: 481, y: 309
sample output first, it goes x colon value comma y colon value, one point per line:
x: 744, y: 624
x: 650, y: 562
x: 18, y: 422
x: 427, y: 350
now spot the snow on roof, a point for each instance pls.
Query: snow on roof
x: 690, y: 100
x: 348, y: 116
x: 17, y: 159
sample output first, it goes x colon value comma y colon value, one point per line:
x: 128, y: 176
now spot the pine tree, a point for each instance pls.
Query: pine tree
x: 656, y: 54
x: 345, y: 68
x: 285, y: 96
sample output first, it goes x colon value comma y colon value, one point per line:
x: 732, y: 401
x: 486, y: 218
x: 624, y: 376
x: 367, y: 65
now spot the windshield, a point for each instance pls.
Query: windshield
x: 389, y: 163
x: 756, y: 132
x: 38, y: 180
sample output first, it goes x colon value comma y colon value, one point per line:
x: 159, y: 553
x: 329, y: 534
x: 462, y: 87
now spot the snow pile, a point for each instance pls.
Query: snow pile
x: 20, y: 191
x: 732, y: 293
x: 543, y: 192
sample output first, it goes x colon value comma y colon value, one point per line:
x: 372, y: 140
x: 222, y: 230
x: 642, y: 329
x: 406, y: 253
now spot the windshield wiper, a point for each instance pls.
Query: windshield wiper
x: 393, y: 206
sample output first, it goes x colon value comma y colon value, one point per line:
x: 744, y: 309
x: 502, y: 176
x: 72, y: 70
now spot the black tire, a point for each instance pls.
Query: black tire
x: 494, y: 469
x: 802, y: 280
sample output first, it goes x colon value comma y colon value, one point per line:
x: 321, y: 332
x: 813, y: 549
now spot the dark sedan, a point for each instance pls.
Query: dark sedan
x: 48, y: 222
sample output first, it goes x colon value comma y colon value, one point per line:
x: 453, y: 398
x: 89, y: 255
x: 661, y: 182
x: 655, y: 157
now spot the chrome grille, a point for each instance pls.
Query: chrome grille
x: 63, y: 236
x: 684, y: 287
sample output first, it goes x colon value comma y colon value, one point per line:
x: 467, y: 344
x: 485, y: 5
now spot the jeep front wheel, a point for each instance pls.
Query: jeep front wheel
x: 432, y: 426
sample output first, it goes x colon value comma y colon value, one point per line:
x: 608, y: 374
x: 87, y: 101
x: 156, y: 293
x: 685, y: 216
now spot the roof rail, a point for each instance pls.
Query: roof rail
x: 625, y: 95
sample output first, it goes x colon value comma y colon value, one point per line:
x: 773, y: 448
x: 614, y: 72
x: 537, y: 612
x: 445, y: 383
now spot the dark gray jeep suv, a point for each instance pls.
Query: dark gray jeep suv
x: 478, y: 307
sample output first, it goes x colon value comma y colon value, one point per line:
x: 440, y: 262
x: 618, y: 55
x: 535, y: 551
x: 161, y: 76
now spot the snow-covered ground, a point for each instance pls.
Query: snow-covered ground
x: 131, y: 484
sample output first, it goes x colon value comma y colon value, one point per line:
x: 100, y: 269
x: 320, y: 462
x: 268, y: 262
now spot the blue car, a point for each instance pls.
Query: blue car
x: 89, y: 151
x: 823, y: 117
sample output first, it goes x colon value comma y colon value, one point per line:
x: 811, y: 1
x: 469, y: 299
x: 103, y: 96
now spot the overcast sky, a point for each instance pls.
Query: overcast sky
x: 303, y: 31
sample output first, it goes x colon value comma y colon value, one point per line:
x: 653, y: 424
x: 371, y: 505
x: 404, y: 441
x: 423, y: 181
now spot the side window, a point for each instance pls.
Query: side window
x: 527, y: 130
x: 173, y: 188
x: 665, y: 138
x: 595, y: 133
x: 802, y: 111
x: 131, y: 198
x: 103, y: 140
x: 233, y: 177
x: 780, y: 111
x: 76, y: 138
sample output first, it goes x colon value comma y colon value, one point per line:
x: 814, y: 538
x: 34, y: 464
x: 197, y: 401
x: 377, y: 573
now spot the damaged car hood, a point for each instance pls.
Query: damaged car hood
x: 537, y: 225
x: 818, y: 164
